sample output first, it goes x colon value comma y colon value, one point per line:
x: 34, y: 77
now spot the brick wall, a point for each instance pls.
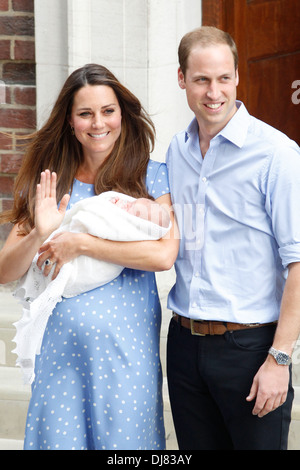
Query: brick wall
x: 17, y: 90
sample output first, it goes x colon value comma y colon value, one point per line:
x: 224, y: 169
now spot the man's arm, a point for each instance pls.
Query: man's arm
x: 270, y: 385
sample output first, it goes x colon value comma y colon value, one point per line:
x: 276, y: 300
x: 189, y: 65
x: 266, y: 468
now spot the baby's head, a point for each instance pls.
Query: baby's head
x: 145, y: 209
x: 150, y: 210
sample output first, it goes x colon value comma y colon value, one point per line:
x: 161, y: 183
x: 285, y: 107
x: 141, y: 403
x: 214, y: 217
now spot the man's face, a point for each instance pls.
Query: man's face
x: 210, y: 83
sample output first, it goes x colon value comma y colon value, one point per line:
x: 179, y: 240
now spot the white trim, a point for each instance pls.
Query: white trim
x: 51, y: 45
x: 79, y: 45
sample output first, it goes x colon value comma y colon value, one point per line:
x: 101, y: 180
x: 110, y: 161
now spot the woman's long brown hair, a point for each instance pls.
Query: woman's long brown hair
x: 54, y: 147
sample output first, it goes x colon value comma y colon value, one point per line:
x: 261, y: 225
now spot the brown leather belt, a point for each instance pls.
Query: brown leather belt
x: 208, y: 327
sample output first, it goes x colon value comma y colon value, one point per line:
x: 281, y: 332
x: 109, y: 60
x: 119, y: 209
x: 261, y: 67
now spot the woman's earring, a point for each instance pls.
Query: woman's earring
x: 72, y: 130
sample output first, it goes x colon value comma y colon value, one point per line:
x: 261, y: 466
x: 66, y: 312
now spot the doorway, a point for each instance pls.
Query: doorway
x: 267, y: 34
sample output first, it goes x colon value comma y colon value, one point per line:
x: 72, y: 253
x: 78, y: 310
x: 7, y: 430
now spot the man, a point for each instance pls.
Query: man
x: 235, y: 185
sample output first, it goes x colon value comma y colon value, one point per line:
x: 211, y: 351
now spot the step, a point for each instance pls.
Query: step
x: 294, y: 435
x: 14, y: 399
x: 10, y: 312
x: 11, y: 444
x: 10, y: 309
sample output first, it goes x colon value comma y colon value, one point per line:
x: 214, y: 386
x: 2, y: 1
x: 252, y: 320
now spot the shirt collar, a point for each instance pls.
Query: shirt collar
x: 235, y: 131
x: 192, y: 130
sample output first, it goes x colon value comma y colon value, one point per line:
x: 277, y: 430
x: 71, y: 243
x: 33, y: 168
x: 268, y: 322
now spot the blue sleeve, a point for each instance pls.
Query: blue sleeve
x: 157, y: 181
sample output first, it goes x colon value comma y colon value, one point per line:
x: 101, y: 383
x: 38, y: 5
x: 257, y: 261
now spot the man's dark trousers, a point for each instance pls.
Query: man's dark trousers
x: 209, y: 379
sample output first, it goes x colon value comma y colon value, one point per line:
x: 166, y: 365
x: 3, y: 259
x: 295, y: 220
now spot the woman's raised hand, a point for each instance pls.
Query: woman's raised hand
x: 47, y: 216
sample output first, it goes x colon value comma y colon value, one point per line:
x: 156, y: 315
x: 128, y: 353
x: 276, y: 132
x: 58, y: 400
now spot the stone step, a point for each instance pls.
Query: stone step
x: 14, y: 399
x: 296, y: 404
x: 10, y: 309
x: 10, y: 312
x: 294, y: 435
x: 11, y: 444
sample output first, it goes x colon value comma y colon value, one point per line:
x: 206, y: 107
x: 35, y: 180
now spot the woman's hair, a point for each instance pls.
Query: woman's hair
x: 204, y: 36
x: 54, y: 147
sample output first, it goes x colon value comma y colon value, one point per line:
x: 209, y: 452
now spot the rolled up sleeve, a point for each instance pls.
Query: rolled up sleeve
x: 283, y: 201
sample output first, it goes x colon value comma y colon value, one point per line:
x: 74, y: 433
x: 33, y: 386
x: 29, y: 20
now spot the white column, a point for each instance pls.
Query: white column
x: 51, y: 43
x: 120, y: 41
x: 79, y: 33
x: 168, y: 21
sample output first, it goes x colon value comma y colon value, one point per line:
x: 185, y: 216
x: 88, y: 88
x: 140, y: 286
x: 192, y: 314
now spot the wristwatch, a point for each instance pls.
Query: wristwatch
x: 282, y: 358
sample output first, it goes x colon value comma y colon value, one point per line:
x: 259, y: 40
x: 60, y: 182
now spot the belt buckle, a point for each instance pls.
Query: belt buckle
x: 193, y: 332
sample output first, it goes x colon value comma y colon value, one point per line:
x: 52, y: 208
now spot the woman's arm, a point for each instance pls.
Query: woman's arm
x: 19, y: 251
x: 17, y: 254
x: 157, y: 255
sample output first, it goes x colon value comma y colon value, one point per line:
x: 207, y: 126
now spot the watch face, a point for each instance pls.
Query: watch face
x: 282, y: 358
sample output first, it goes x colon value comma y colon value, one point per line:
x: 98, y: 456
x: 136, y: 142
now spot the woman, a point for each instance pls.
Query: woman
x: 98, y: 377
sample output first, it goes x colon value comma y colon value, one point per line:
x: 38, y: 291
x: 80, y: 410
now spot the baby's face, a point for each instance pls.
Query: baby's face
x: 150, y: 210
x: 145, y: 209
x: 141, y: 207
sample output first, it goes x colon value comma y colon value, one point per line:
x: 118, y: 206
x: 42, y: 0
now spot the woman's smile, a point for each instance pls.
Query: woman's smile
x: 99, y: 136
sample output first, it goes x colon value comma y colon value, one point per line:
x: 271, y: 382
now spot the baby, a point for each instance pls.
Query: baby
x: 145, y: 209
x: 109, y: 215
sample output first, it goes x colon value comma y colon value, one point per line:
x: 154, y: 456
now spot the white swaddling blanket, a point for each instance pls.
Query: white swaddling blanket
x: 39, y: 294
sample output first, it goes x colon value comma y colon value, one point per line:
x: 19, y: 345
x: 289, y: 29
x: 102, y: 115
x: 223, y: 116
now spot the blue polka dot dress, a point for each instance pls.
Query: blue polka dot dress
x: 98, y: 382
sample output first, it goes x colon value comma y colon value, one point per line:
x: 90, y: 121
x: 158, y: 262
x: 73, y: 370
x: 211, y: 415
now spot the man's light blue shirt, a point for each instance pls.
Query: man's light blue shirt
x: 238, y: 211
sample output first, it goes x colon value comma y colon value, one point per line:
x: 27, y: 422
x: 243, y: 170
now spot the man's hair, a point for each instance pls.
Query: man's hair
x: 204, y: 36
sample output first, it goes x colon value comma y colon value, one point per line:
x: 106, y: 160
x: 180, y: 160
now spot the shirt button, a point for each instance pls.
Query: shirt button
x: 194, y: 305
x: 204, y: 179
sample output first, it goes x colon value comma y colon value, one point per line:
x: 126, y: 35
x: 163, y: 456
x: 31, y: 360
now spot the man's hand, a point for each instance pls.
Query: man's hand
x: 270, y: 387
